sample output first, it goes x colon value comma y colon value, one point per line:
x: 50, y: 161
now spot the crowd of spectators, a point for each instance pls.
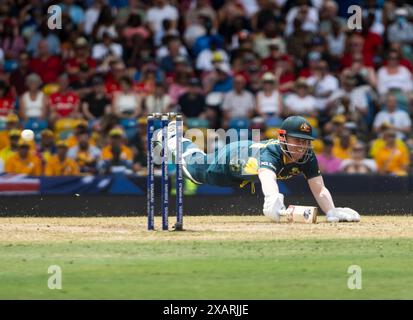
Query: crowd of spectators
x: 85, y: 89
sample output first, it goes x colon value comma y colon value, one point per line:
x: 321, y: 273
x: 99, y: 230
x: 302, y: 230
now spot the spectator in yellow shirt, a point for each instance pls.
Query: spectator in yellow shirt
x: 24, y: 161
x: 391, y: 158
x: 59, y: 164
x: 46, y: 147
x: 72, y: 140
x: 343, y: 145
x: 116, y: 140
x: 12, y: 122
x: 12, y: 145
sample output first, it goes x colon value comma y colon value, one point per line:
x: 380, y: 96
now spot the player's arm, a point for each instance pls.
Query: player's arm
x: 321, y: 193
x: 325, y: 201
x: 273, y: 199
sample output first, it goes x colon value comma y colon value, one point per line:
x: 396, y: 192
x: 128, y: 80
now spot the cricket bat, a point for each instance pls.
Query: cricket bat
x: 301, y: 214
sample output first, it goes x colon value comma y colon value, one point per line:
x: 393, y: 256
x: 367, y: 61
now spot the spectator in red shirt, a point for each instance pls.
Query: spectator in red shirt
x: 372, y: 41
x: 65, y: 102
x: 356, y: 46
x: 285, y: 75
x: 269, y: 63
x: 47, y: 66
x: 82, y: 58
x: 112, y: 82
x: 6, y: 101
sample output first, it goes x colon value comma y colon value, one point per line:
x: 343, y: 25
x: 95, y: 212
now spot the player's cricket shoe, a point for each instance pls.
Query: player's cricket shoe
x: 171, y: 146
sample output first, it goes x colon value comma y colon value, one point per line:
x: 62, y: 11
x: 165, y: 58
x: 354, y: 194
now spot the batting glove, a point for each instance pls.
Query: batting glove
x: 343, y: 215
x: 273, y: 204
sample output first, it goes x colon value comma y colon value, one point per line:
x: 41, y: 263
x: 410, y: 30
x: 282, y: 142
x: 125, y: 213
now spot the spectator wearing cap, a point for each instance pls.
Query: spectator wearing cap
x: 65, y: 102
x: 301, y: 102
x: 59, y: 164
x: 159, y: 101
x: 33, y: 103
x: 126, y: 102
x: 96, y: 103
x: 327, y: 161
x: 85, y: 154
x: 238, y: 103
x: 116, y: 140
x: 343, y: 145
x: 80, y: 128
x: 323, y: 83
x: 23, y: 161
x: 12, y: 122
x: 392, y: 159
x: 6, y: 99
x: 156, y: 14
x: 11, y: 147
x: 379, y: 142
x: 269, y: 99
x: 192, y: 103
x: 18, y: 76
x: 47, y: 66
x: 394, y: 76
x: 116, y: 164
x: 396, y: 119
x: 254, y: 79
x: 219, y: 80
x: 80, y: 59
x: 46, y: 148
x: 11, y: 42
x: 207, y: 57
x: 401, y: 29
x: 358, y: 163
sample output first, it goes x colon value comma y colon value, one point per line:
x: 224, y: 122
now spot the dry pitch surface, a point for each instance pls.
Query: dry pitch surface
x: 218, y: 257
x: 202, y: 228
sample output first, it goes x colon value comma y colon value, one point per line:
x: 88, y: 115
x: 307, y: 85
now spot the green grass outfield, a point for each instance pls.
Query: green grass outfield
x: 112, y: 258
